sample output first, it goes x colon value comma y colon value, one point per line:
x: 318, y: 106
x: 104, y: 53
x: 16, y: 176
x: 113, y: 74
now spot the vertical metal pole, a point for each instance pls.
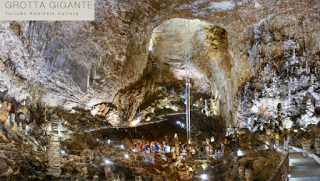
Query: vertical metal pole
x: 186, y: 55
x: 187, y: 39
x: 189, y: 118
x: 288, y: 167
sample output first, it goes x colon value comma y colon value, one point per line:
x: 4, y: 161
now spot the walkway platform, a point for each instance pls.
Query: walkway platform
x: 303, y: 168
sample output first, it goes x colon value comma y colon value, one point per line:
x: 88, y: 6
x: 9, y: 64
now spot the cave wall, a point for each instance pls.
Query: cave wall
x: 285, y: 58
x: 82, y: 64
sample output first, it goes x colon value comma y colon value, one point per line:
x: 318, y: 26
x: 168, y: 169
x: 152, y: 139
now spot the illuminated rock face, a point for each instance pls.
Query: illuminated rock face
x: 287, y: 77
x: 83, y: 64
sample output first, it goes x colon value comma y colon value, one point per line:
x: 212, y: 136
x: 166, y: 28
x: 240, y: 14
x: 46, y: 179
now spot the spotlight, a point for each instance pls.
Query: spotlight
x: 177, y: 122
x: 107, y: 162
x: 240, y: 153
x: 212, y: 139
x: 63, y: 152
x: 204, y: 176
x: 289, y: 175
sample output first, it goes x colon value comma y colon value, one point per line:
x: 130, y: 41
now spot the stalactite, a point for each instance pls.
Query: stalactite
x: 177, y: 150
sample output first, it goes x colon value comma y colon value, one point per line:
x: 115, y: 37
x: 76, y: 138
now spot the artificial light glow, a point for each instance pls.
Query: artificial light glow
x: 204, y: 166
x: 97, y: 139
x: 148, y: 118
x: 267, y: 143
x: 175, y: 135
x: 121, y: 146
x: 278, y: 150
x: 126, y: 156
x: 289, y: 175
x: 107, y: 162
x: 63, y: 152
x: 182, y: 125
x: 295, y: 131
x: 240, y: 153
x: 212, y: 139
x: 178, y: 122
x: 204, y: 176
x: 135, y: 122
x: 109, y: 141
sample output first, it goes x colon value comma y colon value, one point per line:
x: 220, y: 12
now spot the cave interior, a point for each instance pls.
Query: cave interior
x: 163, y: 90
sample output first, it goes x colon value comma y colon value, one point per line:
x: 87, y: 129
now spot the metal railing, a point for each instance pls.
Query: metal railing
x: 277, y: 172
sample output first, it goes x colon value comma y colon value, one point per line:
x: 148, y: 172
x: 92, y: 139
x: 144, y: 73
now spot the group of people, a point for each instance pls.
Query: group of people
x: 204, y: 151
x: 146, y: 147
x: 186, y: 151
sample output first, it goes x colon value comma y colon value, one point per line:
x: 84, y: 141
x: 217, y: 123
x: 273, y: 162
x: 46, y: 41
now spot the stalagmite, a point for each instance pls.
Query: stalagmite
x: 177, y: 150
x: 248, y: 174
x: 54, y: 148
x: 306, y: 146
x: 241, y: 171
x: 235, y: 161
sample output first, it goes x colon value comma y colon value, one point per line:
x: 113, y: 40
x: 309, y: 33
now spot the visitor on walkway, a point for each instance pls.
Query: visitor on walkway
x: 201, y: 152
x: 184, y: 153
x: 158, y: 147
x: 148, y: 148
x: 222, y: 149
x: 286, y: 141
x: 168, y: 148
x: 208, y: 150
x: 140, y: 146
x: 143, y: 147
x: 153, y: 146
x: 193, y: 152
x: 189, y: 152
x: 136, y: 146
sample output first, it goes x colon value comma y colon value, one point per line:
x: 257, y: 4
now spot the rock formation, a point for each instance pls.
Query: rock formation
x: 54, y: 148
x: 74, y: 95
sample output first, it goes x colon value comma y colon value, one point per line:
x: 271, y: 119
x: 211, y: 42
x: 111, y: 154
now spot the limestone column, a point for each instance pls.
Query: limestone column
x: 177, y: 150
x: 241, y: 171
x: 108, y: 173
x: 306, y: 146
x: 248, y: 174
x: 235, y: 161
x: 54, y: 148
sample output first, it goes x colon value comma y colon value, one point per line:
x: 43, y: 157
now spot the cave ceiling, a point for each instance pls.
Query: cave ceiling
x: 130, y: 61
